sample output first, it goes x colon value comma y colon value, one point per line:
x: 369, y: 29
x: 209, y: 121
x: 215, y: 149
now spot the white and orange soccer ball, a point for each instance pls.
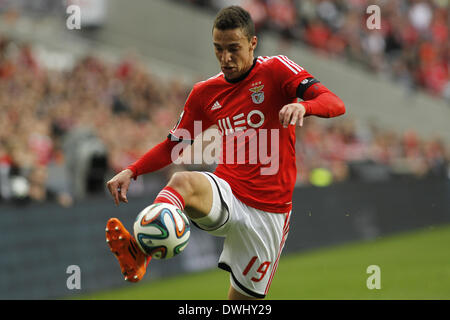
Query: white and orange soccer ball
x: 162, y: 230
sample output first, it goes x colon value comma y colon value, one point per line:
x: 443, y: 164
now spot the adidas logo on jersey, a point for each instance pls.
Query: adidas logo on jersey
x: 216, y: 105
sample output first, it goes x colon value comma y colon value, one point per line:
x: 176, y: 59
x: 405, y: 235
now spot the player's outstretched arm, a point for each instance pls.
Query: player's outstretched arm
x: 119, y: 184
x: 318, y: 101
x: 291, y: 114
x: 156, y: 158
x: 321, y: 102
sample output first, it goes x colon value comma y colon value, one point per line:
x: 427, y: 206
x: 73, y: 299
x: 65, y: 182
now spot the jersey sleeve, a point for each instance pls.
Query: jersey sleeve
x: 294, y: 80
x: 192, y: 120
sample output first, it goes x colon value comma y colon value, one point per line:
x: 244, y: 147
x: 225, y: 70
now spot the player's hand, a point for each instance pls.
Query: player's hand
x: 291, y: 114
x: 118, y: 186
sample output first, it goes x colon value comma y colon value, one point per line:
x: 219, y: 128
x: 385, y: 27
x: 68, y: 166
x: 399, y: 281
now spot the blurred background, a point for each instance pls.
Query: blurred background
x: 78, y: 104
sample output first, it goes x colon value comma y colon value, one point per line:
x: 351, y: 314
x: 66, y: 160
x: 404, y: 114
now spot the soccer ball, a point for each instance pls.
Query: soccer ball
x: 162, y: 230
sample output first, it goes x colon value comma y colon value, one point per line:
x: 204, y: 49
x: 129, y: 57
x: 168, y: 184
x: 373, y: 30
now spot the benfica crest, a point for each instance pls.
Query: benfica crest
x: 257, y: 94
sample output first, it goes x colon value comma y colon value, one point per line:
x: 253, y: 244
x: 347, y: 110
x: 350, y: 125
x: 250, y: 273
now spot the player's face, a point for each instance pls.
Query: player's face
x: 234, y: 51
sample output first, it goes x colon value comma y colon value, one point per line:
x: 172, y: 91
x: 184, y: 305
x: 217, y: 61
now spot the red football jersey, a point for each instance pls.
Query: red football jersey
x: 258, y: 154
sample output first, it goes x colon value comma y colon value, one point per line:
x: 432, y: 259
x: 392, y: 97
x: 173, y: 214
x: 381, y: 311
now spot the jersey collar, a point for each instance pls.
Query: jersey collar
x: 243, y: 76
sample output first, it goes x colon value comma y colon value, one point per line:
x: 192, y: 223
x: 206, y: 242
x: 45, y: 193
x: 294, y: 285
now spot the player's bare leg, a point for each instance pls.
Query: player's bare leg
x: 133, y: 262
x: 198, y: 195
x: 196, y: 191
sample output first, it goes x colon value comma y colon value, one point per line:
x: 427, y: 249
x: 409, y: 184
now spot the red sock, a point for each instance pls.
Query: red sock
x: 171, y: 196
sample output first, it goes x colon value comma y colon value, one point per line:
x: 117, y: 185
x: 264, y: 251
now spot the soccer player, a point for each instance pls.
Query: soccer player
x: 249, y: 200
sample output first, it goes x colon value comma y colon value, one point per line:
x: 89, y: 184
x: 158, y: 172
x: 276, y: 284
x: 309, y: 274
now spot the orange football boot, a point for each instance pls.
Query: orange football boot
x: 132, y: 260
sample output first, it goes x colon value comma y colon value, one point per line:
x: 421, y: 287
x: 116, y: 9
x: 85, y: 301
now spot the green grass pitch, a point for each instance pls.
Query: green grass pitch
x: 413, y: 265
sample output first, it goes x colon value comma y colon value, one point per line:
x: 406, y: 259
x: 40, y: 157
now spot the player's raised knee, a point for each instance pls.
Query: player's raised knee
x: 195, y: 189
x: 183, y: 182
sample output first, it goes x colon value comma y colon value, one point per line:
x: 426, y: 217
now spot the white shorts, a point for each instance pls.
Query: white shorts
x: 253, y: 243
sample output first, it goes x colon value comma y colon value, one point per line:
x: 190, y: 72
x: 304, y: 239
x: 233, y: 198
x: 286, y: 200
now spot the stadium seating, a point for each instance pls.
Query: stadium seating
x: 411, y: 46
x: 62, y: 132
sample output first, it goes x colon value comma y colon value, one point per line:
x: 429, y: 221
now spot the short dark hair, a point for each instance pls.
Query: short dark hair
x: 235, y: 17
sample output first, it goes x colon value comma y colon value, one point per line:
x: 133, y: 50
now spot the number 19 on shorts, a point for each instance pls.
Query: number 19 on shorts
x: 262, y: 269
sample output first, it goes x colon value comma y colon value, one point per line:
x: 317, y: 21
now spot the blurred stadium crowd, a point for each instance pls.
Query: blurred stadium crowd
x: 63, y: 132
x: 412, y: 46
x: 348, y: 149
